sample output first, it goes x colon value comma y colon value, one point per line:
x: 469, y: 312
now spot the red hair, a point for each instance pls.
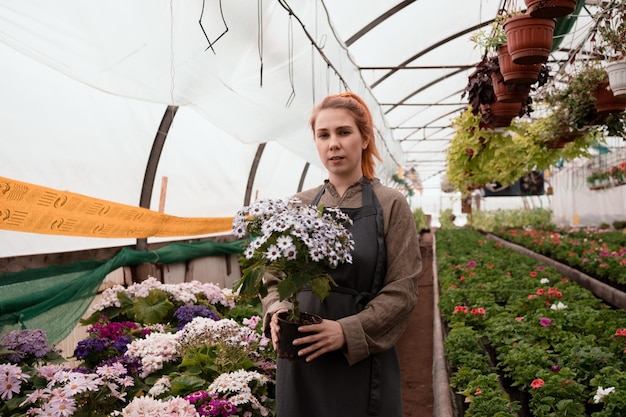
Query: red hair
x: 363, y: 120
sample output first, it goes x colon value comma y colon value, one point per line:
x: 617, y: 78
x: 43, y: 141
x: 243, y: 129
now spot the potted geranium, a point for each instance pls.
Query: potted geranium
x: 298, y: 244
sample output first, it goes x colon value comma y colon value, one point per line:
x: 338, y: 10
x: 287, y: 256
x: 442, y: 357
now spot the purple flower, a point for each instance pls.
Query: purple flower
x: 545, y: 322
x: 121, y: 343
x: 471, y: 264
x: 555, y: 368
x: 196, y: 396
x: 26, y: 343
x: 187, y: 313
x: 88, y: 346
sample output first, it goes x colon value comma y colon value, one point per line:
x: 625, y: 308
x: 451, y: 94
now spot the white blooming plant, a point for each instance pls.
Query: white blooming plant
x: 298, y: 244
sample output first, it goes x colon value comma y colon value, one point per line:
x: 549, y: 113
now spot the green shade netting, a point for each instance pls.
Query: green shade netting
x: 56, y: 297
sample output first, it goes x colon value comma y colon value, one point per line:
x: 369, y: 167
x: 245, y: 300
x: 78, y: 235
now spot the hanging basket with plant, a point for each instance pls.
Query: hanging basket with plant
x: 550, y: 8
x: 611, y: 28
x: 529, y: 39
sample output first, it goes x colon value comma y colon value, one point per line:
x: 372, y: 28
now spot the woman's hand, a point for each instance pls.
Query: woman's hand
x: 327, y: 336
x: 275, y: 328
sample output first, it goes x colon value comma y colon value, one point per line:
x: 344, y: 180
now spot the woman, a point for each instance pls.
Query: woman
x: 351, y: 366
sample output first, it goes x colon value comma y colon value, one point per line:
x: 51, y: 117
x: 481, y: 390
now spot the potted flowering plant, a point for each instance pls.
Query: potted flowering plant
x: 298, y: 244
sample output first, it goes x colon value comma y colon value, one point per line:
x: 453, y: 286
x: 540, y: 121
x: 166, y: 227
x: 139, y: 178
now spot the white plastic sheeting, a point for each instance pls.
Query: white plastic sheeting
x: 85, y: 85
x: 575, y: 204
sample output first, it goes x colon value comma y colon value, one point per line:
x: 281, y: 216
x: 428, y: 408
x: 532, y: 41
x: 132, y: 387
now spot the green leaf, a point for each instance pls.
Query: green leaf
x: 286, y: 289
x: 184, y: 385
x: 251, y: 282
x: 320, y: 287
x: 154, y: 308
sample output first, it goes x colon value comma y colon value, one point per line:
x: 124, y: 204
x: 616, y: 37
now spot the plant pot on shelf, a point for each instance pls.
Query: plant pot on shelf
x: 516, y: 73
x: 606, y: 102
x: 617, y: 77
x: 529, y: 39
x: 550, y: 8
x: 289, y: 332
x: 509, y: 92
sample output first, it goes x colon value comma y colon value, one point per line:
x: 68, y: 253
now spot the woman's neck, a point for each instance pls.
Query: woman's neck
x: 342, y: 184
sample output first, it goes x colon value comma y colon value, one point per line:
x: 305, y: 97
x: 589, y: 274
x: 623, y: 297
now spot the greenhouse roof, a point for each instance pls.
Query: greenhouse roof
x: 207, y: 102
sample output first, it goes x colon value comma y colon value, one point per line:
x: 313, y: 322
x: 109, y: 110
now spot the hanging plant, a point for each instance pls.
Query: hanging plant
x: 529, y: 39
x: 611, y: 28
x: 576, y: 99
x: 478, y: 156
x: 550, y: 8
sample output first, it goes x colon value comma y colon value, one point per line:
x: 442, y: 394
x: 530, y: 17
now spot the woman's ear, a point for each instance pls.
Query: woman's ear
x: 364, y: 145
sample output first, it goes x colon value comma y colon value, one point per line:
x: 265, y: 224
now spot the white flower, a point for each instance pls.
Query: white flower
x: 558, y: 306
x: 601, y: 393
x: 153, y: 351
x: 544, y: 281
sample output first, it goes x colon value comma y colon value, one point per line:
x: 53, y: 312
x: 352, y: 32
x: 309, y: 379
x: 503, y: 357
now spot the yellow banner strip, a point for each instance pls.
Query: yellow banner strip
x: 31, y: 208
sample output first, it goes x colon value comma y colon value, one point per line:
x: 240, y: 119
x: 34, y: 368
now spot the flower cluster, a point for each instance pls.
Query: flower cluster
x: 25, y: 346
x: 210, y: 404
x: 152, y: 407
x: 242, y: 388
x: 298, y: 243
x: 130, y: 364
x: 107, y: 340
x: 154, y: 350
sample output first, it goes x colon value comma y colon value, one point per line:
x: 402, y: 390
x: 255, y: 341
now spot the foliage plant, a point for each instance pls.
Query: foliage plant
x: 552, y: 348
x: 420, y: 219
x: 478, y: 156
x: 574, y: 100
x: 611, y: 28
x: 298, y: 244
x: 446, y: 219
x: 491, y: 221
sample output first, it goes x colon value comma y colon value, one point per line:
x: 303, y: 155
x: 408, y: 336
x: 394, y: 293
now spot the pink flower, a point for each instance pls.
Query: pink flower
x: 460, y: 309
x: 478, y: 311
x: 545, y: 322
x: 537, y: 383
x: 620, y: 332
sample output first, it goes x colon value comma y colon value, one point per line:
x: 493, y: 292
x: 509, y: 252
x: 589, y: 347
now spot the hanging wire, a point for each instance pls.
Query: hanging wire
x: 172, y: 66
x: 211, y: 43
x: 292, y: 96
x: 260, y: 39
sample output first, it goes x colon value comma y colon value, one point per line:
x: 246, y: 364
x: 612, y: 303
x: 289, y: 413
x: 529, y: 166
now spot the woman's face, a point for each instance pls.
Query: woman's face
x: 339, y: 144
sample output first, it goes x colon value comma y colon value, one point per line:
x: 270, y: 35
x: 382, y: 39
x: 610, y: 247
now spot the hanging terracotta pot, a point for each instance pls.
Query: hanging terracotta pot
x: 516, y: 73
x: 550, y: 8
x: 509, y: 92
x: 617, y: 77
x: 529, y: 39
x: 563, y: 140
x: 606, y: 102
x: 499, y: 114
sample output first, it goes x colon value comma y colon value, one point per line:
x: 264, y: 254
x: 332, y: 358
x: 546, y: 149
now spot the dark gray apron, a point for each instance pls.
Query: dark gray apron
x: 328, y: 386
